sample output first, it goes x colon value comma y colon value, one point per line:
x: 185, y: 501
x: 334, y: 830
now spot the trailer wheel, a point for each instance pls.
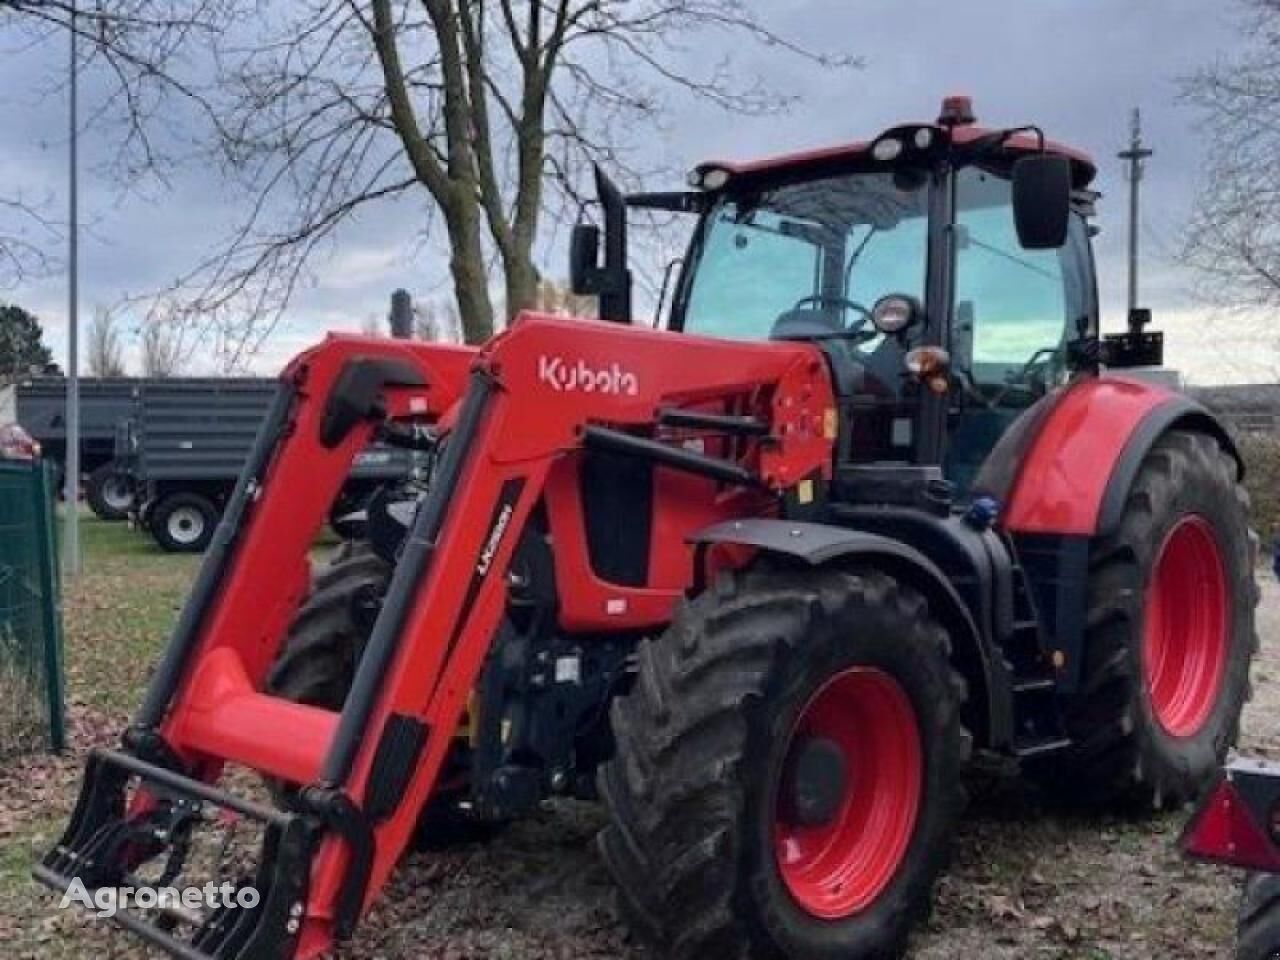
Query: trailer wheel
x: 1258, y: 931
x: 1168, y: 637
x: 109, y: 492
x: 317, y: 665
x: 788, y: 765
x: 183, y: 522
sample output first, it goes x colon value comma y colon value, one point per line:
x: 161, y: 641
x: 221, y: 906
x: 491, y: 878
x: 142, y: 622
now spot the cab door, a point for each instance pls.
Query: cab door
x: 1013, y: 315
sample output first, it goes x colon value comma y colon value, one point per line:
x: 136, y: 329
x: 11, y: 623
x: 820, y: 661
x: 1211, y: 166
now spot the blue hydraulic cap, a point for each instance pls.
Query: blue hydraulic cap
x: 983, y: 512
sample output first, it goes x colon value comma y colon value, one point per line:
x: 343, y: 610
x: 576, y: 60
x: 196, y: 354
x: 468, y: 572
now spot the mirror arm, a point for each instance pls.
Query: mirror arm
x: 678, y: 201
x: 615, y: 279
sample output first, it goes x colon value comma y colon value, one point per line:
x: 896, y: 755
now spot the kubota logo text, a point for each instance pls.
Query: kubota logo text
x: 565, y: 377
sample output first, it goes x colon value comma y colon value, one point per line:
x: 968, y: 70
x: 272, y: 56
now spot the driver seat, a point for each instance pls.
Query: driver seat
x: 804, y: 323
x: 808, y: 324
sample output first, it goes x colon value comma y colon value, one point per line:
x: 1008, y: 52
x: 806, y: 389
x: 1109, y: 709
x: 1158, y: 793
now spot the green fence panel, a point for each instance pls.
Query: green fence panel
x: 32, y: 705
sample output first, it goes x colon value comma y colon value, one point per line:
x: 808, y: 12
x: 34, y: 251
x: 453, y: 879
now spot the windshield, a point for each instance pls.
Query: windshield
x: 827, y: 249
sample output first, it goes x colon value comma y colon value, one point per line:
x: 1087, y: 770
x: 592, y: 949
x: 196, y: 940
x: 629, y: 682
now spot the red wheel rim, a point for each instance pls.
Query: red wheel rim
x: 839, y: 868
x: 1187, y: 626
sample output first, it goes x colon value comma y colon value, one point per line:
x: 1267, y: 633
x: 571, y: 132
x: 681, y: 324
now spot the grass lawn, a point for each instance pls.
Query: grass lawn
x: 116, y: 620
x: 117, y: 616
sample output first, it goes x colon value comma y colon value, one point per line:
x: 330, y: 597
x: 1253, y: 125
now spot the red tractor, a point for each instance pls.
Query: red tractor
x: 880, y: 495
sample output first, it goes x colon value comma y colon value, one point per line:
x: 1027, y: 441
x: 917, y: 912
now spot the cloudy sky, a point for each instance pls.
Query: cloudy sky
x: 1075, y: 67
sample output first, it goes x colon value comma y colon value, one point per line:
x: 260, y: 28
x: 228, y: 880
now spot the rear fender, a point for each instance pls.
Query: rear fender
x: 819, y: 545
x: 1067, y: 464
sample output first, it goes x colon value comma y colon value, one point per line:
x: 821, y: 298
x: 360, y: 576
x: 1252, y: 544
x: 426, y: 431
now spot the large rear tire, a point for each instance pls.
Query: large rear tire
x: 788, y: 765
x: 1258, y: 931
x: 109, y: 493
x: 1169, y: 635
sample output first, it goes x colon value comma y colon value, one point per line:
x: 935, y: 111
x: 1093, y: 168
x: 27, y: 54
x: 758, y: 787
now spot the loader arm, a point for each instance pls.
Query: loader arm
x: 534, y: 398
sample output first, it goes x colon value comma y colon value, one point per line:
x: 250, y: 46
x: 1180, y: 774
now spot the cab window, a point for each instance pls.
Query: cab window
x: 1015, y: 309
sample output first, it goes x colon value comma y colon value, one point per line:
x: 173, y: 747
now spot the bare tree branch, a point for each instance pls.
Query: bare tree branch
x: 485, y: 113
x: 105, y: 353
x: 1233, y: 238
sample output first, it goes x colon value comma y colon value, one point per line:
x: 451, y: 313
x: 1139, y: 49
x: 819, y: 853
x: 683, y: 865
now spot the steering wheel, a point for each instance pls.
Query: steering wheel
x: 822, y: 298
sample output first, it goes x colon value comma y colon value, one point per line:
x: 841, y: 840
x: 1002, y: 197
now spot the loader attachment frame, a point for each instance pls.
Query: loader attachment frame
x: 516, y: 418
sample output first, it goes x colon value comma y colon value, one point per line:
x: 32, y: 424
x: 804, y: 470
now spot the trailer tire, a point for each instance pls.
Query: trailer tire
x: 753, y: 677
x: 1169, y: 635
x: 183, y: 522
x: 109, y: 493
x: 318, y: 661
x: 1258, y: 929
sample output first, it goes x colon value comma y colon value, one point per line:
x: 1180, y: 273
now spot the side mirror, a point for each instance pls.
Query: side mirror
x: 584, y: 258
x: 1042, y: 201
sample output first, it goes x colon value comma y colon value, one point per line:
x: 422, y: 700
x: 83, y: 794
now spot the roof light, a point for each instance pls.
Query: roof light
x: 957, y: 111
x: 708, y: 178
x: 924, y: 138
x: 715, y: 178
x: 889, y: 148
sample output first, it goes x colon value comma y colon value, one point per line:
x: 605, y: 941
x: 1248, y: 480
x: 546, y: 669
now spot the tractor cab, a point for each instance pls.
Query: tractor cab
x: 944, y: 269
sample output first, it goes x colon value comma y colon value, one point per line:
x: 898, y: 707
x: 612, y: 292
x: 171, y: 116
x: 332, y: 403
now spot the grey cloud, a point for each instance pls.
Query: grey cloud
x: 1073, y: 66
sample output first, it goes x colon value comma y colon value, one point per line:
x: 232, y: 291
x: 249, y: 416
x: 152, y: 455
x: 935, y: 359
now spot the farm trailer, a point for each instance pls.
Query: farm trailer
x: 39, y: 405
x: 187, y: 440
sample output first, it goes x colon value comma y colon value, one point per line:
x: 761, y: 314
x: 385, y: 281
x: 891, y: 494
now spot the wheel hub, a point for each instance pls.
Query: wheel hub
x: 186, y: 525
x: 1187, y: 627
x: 815, y: 782
x: 117, y: 494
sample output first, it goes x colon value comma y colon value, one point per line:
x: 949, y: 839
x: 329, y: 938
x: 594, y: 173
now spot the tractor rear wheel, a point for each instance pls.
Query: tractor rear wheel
x: 317, y: 665
x: 788, y: 765
x: 1169, y: 635
x: 1258, y: 931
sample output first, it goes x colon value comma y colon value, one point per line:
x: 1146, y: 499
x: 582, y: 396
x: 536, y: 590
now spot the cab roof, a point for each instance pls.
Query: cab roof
x: 962, y: 133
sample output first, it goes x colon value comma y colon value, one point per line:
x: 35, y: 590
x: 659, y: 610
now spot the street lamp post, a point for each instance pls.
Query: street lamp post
x: 71, y: 528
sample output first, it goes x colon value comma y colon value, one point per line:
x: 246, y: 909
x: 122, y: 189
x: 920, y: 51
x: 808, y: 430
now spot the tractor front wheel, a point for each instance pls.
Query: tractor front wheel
x: 788, y: 767
x: 317, y: 666
x: 1169, y: 635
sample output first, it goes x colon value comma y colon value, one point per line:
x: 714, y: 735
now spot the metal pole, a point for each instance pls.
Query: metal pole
x: 71, y: 528
x: 1134, y: 156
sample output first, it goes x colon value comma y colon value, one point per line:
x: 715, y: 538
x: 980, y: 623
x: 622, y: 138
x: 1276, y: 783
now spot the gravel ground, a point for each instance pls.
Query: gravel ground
x: 1025, y: 883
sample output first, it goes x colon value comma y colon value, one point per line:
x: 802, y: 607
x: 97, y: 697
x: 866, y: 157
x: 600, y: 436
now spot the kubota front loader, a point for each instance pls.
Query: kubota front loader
x: 878, y: 495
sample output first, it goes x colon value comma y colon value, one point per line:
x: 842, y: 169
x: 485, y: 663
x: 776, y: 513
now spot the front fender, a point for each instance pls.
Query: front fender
x: 819, y: 544
x: 1067, y: 464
